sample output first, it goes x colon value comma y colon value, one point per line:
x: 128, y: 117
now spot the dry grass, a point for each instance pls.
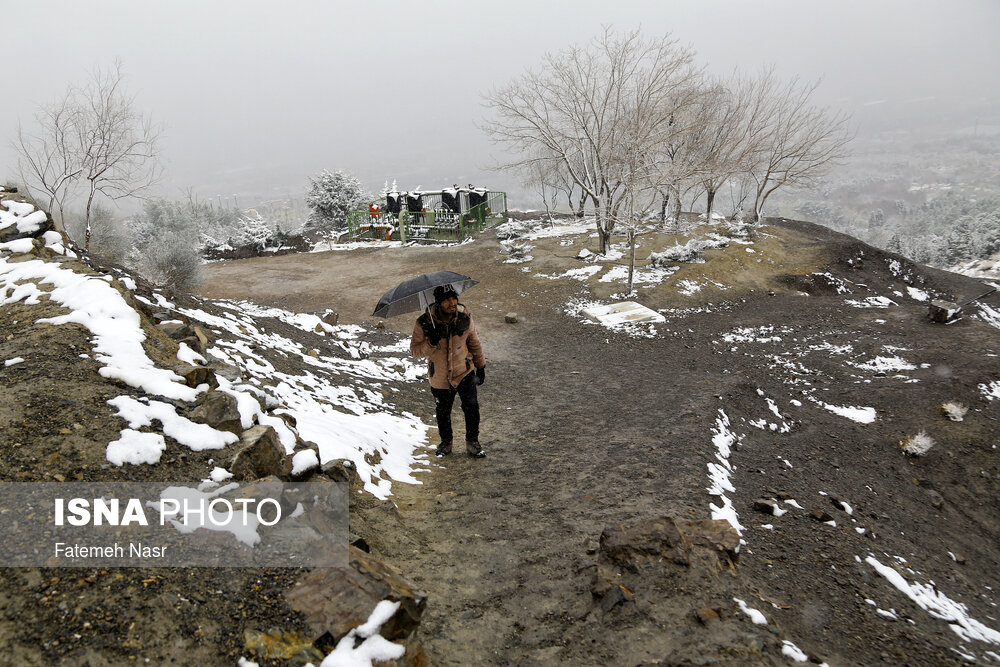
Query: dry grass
x: 726, y: 273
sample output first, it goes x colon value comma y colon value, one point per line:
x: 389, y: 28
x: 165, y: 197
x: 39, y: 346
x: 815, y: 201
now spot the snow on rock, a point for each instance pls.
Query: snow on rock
x: 720, y: 473
x: 334, y: 404
x: 189, y: 356
x: 938, y: 605
x: 19, y: 246
x: 303, y: 461
x: 136, y: 448
x: 93, y: 303
x: 872, y: 302
x: 793, y: 651
x: 373, y: 648
x: 197, y: 437
x: 21, y: 216
x: 756, y: 616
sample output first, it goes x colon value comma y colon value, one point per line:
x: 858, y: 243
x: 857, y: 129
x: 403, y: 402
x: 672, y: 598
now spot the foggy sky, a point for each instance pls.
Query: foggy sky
x: 257, y: 96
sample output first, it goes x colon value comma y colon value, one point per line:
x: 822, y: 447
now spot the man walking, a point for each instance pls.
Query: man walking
x: 446, y: 336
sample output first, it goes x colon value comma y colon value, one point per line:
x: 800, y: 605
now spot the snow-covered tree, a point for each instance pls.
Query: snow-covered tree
x: 331, y: 195
x: 254, y: 231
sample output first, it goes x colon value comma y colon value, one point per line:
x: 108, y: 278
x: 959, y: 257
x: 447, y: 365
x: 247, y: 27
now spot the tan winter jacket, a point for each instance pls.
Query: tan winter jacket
x: 456, y: 355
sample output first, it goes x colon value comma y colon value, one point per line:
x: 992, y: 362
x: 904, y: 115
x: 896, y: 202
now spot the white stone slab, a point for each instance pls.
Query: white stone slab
x: 622, y: 312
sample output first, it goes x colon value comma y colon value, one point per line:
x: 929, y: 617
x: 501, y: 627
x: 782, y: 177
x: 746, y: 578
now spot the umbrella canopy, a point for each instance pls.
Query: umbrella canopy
x: 417, y: 293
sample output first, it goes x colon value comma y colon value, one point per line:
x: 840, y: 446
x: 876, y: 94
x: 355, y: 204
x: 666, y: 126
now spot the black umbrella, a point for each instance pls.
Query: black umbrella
x: 417, y: 293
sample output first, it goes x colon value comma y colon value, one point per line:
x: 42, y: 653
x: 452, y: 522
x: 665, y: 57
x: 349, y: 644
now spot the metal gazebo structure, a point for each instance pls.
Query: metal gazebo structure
x: 449, y: 214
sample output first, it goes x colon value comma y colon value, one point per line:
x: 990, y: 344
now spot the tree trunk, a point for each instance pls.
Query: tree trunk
x: 677, y: 207
x: 663, y: 209
x: 631, y: 265
x: 580, y: 206
x: 710, y: 199
x: 603, y: 219
x: 86, y: 237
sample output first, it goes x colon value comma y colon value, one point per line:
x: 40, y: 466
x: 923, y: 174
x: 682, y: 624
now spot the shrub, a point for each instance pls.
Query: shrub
x: 917, y: 445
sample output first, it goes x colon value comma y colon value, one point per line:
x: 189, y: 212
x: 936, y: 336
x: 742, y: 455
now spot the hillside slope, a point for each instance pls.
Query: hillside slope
x: 771, y: 398
x: 789, y: 370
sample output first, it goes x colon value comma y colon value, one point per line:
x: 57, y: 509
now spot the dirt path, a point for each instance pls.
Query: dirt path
x: 583, y: 428
x: 510, y: 542
x: 586, y: 428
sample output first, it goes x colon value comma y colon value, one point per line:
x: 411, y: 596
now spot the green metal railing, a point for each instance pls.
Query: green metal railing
x: 430, y: 226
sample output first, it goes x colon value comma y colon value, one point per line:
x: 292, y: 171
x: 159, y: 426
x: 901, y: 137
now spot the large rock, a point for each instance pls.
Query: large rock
x: 222, y: 369
x: 711, y: 546
x: 219, y: 410
x: 195, y: 376
x: 943, y: 312
x: 669, y: 585
x: 20, y: 220
x: 176, y: 329
x: 261, y: 454
x: 335, y: 601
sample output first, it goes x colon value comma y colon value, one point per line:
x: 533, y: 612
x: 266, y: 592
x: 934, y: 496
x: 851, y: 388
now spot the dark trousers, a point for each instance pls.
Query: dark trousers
x: 445, y: 399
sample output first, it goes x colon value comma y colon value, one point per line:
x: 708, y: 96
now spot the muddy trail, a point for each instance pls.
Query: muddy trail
x: 736, y: 484
x: 587, y: 428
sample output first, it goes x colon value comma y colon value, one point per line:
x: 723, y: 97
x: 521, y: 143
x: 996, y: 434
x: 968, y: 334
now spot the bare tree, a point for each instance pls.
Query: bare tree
x: 721, y: 142
x: 795, y: 142
x: 93, y: 137
x: 545, y: 180
x: 48, y: 159
x: 581, y: 110
x: 680, y: 154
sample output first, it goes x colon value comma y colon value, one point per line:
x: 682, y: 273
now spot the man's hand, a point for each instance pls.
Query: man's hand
x: 481, y: 375
x: 432, y: 333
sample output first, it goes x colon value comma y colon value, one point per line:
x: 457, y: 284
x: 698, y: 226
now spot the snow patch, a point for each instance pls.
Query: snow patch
x: 938, y: 605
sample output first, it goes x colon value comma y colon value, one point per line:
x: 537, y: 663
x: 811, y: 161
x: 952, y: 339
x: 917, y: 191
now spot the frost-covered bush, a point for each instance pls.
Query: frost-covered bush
x: 689, y: 252
x: 518, y: 251
x: 166, y: 240
x: 109, y: 235
x: 917, y: 445
x: 331, y: 195
x: 740, y: 229
x: 171, y: 261
x: 954, y: 411
x: 510, y: 230
x: 254, y: 232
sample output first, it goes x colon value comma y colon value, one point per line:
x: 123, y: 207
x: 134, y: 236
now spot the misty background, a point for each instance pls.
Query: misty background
x: 255, y: 98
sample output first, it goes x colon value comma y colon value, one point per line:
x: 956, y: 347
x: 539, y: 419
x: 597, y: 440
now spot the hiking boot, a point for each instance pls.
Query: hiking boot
x: 443, y: 448
x: 474, y: 449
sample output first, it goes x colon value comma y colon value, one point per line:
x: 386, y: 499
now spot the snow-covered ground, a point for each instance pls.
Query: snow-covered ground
x: 338, y: 405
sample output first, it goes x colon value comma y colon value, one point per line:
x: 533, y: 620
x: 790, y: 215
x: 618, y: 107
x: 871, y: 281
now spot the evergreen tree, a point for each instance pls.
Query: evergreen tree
x: 331, y: 195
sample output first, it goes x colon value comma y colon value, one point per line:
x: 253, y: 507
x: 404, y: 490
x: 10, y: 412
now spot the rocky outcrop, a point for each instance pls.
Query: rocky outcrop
x: 219, y: 410
x: 678, y: 581
x: 335, y: 601
x: 20, y: 219
x: 261, y: 454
